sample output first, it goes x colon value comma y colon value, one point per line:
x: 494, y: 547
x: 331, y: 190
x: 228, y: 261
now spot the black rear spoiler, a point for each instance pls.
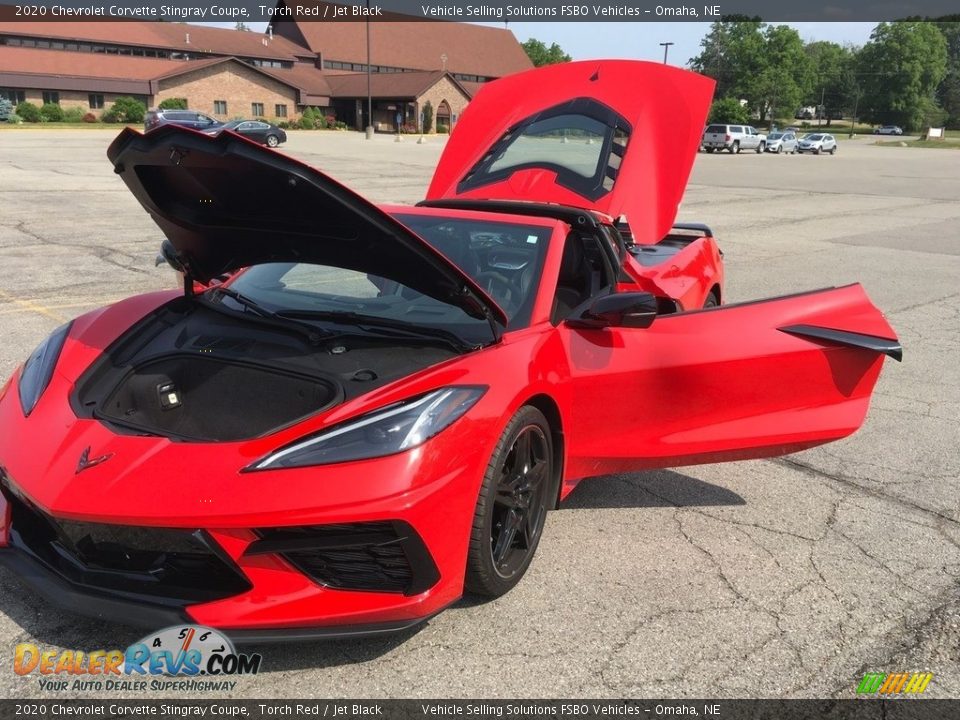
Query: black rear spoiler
x: 684, y: 229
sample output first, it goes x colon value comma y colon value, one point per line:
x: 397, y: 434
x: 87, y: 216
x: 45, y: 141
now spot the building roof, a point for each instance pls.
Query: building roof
x: 59, y: 70
x: 388, y: 85
x: 313, y: 86
x: 57, y: 63
x: 167, y: 36
x: 470, y: 49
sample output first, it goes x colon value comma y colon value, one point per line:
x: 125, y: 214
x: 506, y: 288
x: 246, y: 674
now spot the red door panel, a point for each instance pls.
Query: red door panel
x: 723, y: 384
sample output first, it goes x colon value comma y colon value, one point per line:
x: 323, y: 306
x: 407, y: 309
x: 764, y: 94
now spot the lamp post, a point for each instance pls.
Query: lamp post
x: 369, y: 95
x: 666, y: 49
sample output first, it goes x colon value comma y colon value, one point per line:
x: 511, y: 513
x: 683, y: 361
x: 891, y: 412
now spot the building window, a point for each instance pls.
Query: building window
x: 51, y: 97
x: 220, y: 107
x: 14, y: 96
x: 256, y: 109
x: 95, y: 101
x: 280, y: 110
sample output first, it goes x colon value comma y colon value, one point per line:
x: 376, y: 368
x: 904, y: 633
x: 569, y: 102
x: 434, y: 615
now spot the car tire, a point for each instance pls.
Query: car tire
x: 761, y: 147
x: 779, y: 149
x: 833, y: 150
x: 711, y: 300
x: 735, y: 147
x: 273, y: 141
x: 816, y: 151
x: 709, y: 150
x: 518, y: 487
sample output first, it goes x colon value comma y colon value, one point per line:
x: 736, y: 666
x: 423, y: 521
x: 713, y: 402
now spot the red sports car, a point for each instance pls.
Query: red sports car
x: 351, y: 414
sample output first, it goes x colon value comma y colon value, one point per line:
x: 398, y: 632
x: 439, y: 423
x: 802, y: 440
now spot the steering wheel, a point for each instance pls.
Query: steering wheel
x: 507, y: 292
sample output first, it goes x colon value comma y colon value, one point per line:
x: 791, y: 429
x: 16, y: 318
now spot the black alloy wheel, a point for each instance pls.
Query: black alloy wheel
x: 517, y: 489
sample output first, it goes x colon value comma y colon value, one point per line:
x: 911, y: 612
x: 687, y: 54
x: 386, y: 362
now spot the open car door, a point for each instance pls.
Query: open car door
x: 751, y: 380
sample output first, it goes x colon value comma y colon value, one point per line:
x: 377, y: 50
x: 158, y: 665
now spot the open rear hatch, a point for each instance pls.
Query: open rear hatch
x: 615, y: 136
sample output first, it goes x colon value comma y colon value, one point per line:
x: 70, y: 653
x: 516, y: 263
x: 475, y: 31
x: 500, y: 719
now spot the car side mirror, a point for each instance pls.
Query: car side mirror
x: 627, y: 310
x: 168, y: 255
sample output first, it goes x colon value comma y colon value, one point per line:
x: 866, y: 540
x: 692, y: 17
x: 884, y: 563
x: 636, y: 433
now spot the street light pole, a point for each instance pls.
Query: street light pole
x: 666, y: 49
x: 369, y: 95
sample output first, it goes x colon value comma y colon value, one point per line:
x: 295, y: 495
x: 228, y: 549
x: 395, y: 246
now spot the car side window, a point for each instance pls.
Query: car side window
x: 736, y: 129
x: 585, y: 273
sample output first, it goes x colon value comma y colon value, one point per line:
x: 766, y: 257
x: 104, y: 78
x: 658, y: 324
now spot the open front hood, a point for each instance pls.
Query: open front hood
x: 226, y: 203
x: 616, y: 136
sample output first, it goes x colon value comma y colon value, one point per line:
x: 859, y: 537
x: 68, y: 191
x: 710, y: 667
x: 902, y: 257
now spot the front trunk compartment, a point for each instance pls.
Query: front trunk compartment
x: 191, y: 373
x: 206, y: 398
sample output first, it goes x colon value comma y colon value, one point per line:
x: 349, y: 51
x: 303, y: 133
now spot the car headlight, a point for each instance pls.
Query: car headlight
x: 386, y: 431
x: 38, y: 369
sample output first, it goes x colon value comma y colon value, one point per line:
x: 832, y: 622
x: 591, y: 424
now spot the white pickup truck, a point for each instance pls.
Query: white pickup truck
x: 733, y: 138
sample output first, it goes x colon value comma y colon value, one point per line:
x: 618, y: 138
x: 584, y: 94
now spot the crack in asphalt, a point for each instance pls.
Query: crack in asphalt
x: 852, y: 482
x: 102, y: 252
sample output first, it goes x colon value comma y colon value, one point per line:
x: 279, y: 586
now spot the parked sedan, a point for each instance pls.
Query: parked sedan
x: 781, y: 142
x: 817, y: 143
x: 889, y: 130
x: 257, y: 130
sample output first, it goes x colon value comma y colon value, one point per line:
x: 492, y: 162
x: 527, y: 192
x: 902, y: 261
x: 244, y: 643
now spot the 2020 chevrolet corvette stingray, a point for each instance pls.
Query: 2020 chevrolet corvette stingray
x: 353, y: 413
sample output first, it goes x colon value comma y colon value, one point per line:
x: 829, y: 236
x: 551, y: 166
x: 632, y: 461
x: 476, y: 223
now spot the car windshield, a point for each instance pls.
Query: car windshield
x: 775, y: 136
x: 814, y: 137
x: 232, y: 124
x: 504, y: 258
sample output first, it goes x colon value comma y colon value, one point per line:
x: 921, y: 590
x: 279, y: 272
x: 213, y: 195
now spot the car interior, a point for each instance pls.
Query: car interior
x: 585, y: 273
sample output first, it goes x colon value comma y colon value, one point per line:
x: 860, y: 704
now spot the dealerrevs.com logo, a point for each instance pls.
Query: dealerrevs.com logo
x: 202, y: 658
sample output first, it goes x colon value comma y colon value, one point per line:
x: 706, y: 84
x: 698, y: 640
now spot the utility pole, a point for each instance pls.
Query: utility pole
x: 823, y: 89
x: 666, y: 49
x: 369, y: 94
x: 856, y: 105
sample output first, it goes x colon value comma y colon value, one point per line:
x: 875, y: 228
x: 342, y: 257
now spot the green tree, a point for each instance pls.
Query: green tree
x: 241, y: 26
x: 541, y: 55
x: 173, y: 103
x: 731, y: 50
x: 427, y: 116
x: 901, y: 69
x: 125, y: 110
x: 833, y: 78
x: 51, y: 112
x: 728, y: 111
x: 948, y: 94
x: 783, y: 76
x: 28, y: 112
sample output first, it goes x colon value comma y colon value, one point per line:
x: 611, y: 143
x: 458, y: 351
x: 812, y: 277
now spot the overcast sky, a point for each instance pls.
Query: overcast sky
x: 641, y: 40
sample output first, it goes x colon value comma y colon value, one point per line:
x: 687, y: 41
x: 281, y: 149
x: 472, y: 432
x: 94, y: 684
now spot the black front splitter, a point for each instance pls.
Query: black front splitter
x: 142, y: 613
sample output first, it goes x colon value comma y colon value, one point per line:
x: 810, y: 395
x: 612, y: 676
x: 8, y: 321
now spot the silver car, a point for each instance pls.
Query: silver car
x: 817, y: 143
x: 782, y: 142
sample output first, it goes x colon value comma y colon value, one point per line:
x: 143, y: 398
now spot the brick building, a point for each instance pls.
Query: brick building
x: 276, y: 75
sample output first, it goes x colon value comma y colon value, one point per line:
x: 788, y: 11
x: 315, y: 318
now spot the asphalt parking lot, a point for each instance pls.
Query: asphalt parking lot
x: 788, y: 577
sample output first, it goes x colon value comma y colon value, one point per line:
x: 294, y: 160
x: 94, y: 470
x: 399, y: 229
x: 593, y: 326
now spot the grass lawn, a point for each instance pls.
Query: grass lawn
x: 948, y: 143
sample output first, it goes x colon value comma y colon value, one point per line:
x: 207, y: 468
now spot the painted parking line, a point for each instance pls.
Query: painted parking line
x: 30, y: 306
x: 54, y: 307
